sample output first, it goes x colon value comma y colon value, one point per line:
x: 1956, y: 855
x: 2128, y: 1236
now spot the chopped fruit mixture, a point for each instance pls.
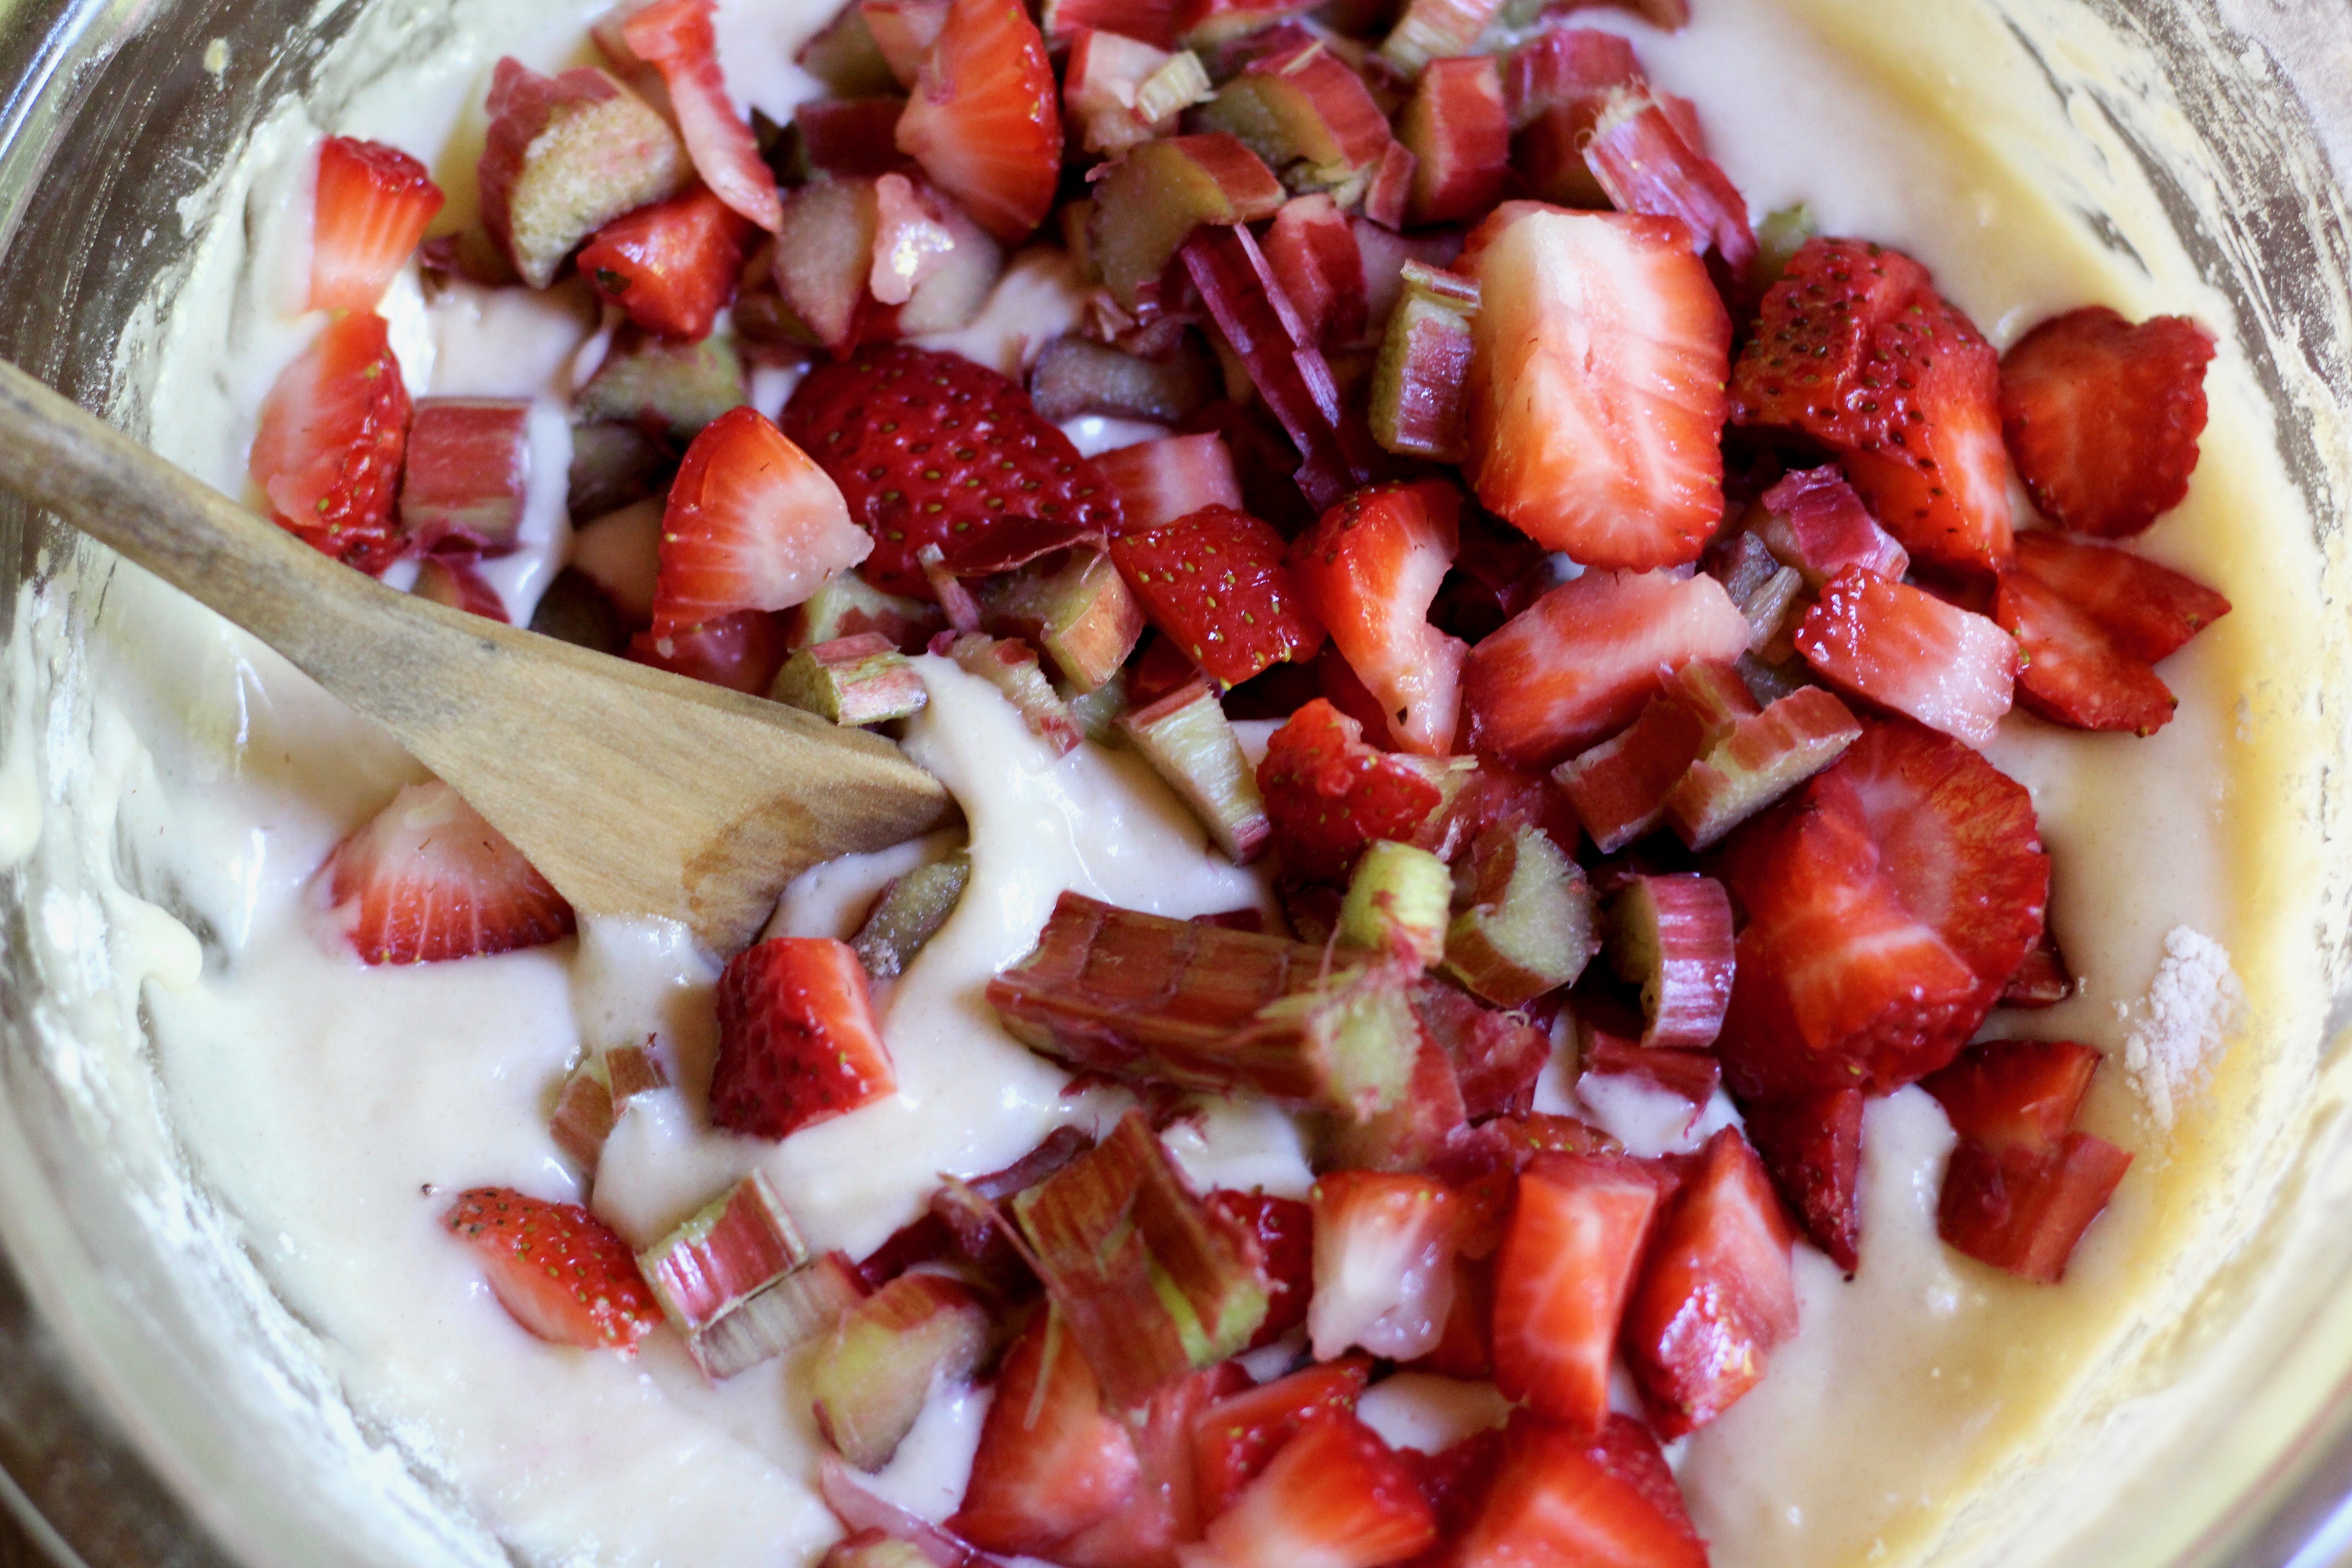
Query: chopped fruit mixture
x: 1590, y: 616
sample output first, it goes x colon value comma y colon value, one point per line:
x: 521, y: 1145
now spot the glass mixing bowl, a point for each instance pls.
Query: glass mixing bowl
x: 150, y: 1412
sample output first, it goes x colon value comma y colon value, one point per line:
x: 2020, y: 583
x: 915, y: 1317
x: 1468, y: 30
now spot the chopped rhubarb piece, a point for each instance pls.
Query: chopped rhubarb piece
x: 1150, y: 201
x: 741, y: 653
x: 1150, y: 1281
x: 1580, y: 663
x: 1243, y: 25
x: 1007, y: 664
x: 677, y: 389
x: 1153, y: 21
x: 1645, y: 163
x: 1566, y: 65
x: 1082, y: 614
x: 1905, y: 649
x: 1120, y: 91
x: 1760, y: 758
x: 452, y: 581
x: 671, y: 265
x: 1308, y: 116
x: 885, y: 1357
x: 1217, y: 584
x: 612, y: 465
x: 1568, y: 1266
x: 1386, y: 198
x: 1811, y: 1144
x: 903, y: 32
x: 2042, y: 980
x: 860, y: 679
x: 1159, y: 482
x: 911, y: 239
x: 1496, y: 1057
x: 1313, y: 250
x: 1559, y: 1496
x: 984, y: 122
x: 1691, y: 1076
x: 1284, y: 1228
x: 1334, y: 1495
x: 957, y: 285
x: 845, y: 57
x: 1073, y: 377
x: 1529, y: 925
x: 1856, y: 349
x: 372, y: 206
x: 1384, y: 1246
x: 468, y: 472
x: 1236, y: 1438
x: 1621, y: 469
x: 847, y: 605
x: 2009, y: 1094
x: 2023, y: 1210
x: 595, y: 1095
x: 2071, y: 672
x: 1145, y: 999
x: 798, y: 1043
x: 1672, y: 936
x: 331, y: 438
x: 1052, y: 1461
x: 911, y: 913
x: 956, y: 602
x: 1370, y: 571
x: 1330, y: 794
x: 1400, y: 897
x: 873, y: 1549
x: 1816, y: 523
x: 845, y: 137
x: 2148, y: 610
x: 1458, y: 132
x: 750, y: 524
x: 565, y: 156
x: 1263, y: 329
x: 1431, y: 31
x: 824, y: 256
x: 2102, y: 417
x: 1189, y: 743
x: 676, y: 37
x: 428, y: 881
x: 1419, y: 398
x: 559, y: 1270
x: 1718, y: 1293
x: 736, y: 1246
x: 1415, y: 1133
x: 792, y: 1311
x: 1619, y: 787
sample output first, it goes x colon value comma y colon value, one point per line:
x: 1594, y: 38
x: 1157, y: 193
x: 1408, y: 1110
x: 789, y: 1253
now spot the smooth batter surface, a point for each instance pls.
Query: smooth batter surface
x: 330, y: 1109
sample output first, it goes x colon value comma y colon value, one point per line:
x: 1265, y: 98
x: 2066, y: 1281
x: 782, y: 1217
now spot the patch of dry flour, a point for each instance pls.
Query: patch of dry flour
x: 2190, y: 1005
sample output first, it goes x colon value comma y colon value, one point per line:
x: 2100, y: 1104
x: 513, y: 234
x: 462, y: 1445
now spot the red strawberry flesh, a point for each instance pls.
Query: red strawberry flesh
x: 558, y: 1269
x: 798, y: 1042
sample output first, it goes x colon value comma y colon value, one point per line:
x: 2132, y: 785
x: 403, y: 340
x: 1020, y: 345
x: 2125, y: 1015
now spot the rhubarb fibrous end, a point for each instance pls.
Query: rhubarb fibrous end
x: 1398, y: 895
x: 1529, y: 925
x: 1191, y: 746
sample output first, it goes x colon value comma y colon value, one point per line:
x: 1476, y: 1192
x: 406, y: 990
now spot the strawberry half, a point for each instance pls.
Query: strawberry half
x: 1328, y: 794
x: 672, y: 265
x: 561, y: 1271
x: 798, y: 1043
x: 2026, y: 1212
x: 676, y: 37
x: 427, y: 880
x: 1903, y: 648
x: 750, y: 524
x: 1560, y: 1497
x: 1812, y: 1147
x: 931, y: 448
x: 2150, y: 611
x: 327, y: 449
x: 1856, y: 348
x: 1234, y: 1439
x: 1215, y: 582
x: 984, y: 122
x: 741, y: 652
x: 1371, y: 569
x: 2015, y: 1093
x: 2102, y: 417
x: 373, y: 204
x: 1569, y: 1258
x: 2071, y: 672
x: 1052, y: 1461
x: 1284, y: 1229
x: 1384, y: 1243
x: 1334, y: 1497
x: 1599, y: 356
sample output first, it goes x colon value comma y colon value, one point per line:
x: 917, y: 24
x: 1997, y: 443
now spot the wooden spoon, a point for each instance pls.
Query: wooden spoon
x: 635, y: 791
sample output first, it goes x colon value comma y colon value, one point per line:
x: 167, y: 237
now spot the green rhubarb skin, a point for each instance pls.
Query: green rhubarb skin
x: 855, y: 680
x: 1398, y: 891
x: 910, y: 913
x: 682, y: 386
x: 1192, y: 746
x: 883, y: 1358
x: 1533, y: 934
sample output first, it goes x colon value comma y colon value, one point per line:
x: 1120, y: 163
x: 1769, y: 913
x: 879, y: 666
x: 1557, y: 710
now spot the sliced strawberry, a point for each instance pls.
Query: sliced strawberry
x: 329, y: 446
x: 373, y: 206
x: 2025, y: 1211
x: 562, y: 1272
x: 1903, y: 648
x: 1167, y: 1507
x: 1235, y: 1438
x: 1718, y: 1293
x: 741, y: 652
x: 1371, y: 569
x: 2015, y: 1093
x: 1159, y: 482
x: 1600, y: 354
x: 1284, y: 1229
x: 1330, y: 794
x: 1334, y: 1497
x: 1384, y: 1244
x: 676, y: 37
x: 1052, y: 1461
x: 451, y: 580
x: 2149, y: 611
x: 1216, y: 584
x: 1562, y: 1497
x: 2072, y: 673
x: 798, y: 1043
x: 1456, y: 1480
x: 985, y: 121
x: 1568, y: 1266
x: 931, y: 448
x: 1496, y: 1057
x: 672, y: 265
x: 1581, y: 663
x: 2102, y: 418
x: 427, y: 880
x: 752, y: 524
x: 1812, y: 1146
x: 1856, y: 348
